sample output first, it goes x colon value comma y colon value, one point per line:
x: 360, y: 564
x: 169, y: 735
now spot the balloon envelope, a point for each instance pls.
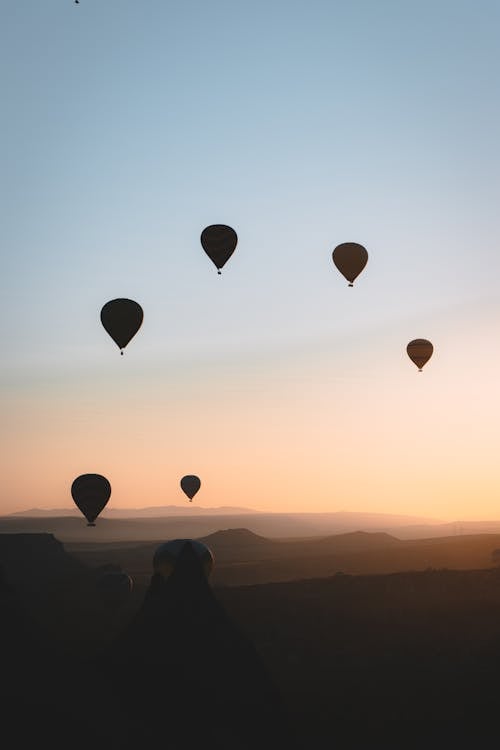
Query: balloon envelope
x: 219, y: 242
x: 190, y: 484
x: 420, y: 351
x: 91, y: 492
x: 167, y: 554
x: 122, y: 318
x: 350, y: 259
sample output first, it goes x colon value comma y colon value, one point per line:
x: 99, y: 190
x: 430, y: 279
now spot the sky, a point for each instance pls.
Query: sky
x: 130, y: 126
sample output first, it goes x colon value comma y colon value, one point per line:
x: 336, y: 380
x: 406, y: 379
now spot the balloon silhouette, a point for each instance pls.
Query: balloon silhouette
x: 190, y: 485
x: 90, y: 492
x: 167, y: 554
x: 122, y: 318
x: 350, y: 259
x: 420, y: 351
x: 219, y: 242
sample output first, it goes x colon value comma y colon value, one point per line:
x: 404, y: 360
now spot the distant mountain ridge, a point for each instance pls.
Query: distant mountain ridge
x: 358, y: 540
x: 152, y: 511
x: 194, y: 522
x: 348, y: 520
x: 230, y: 537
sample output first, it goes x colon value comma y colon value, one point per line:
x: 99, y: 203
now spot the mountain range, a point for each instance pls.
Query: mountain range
x: 153, y: 511
x: 170, y: 521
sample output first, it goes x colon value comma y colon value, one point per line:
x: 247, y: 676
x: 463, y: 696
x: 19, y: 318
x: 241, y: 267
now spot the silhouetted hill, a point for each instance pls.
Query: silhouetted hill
x: 246, y: 558
x: 26, y: 652
x: 355, y: 541
x: 241, y: 539
x: 193, y: 524
x: 409, y: 660
x: 58, y: 591
x: 34, y: 557
x: 22, y: 639
x: 184, y: 664
x: 45, y: 689
x: 75, y: 529
x: 238, y: 546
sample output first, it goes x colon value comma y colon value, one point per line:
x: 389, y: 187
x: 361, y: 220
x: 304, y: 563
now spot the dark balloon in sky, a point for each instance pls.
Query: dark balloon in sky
x: 350, y: 259
x: 91, y: 492
x: 420, y: 352
x: 219, y: 242
x: 122, y: 318
x: 190, y: 485
x: 166, y: 555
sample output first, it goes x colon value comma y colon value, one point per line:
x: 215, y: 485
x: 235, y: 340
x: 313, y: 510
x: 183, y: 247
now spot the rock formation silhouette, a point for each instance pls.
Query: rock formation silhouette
x: 28, y: 559
x: 189, y: 674
x: 50, y: 695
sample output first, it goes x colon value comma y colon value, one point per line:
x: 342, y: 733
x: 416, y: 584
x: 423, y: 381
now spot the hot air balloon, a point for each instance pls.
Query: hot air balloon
x: 167, y: 554
x: 350, y: 259
x: 420, y: 351
x: 219, y: 242
x: 190, y: 484
x: 122, y: 318
x: 90, y: 492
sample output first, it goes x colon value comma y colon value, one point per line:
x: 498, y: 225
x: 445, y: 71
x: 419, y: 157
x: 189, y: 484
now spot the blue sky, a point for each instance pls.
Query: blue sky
x: 129, y: 126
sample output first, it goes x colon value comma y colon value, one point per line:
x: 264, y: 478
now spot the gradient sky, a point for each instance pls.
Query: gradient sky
x: 128, y: 126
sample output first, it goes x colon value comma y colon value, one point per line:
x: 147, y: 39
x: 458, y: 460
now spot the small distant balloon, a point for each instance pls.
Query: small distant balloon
x: 122, y: 318
x: 219, y: 242
x: 420, y: 352
x: 91, y: 493
x: 190, y: 484
x: 350, y: 259
x: 167, y: 554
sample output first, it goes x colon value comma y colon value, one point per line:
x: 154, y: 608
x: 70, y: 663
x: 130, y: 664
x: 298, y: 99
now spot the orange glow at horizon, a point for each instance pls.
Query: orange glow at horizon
x: 335, y: 431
